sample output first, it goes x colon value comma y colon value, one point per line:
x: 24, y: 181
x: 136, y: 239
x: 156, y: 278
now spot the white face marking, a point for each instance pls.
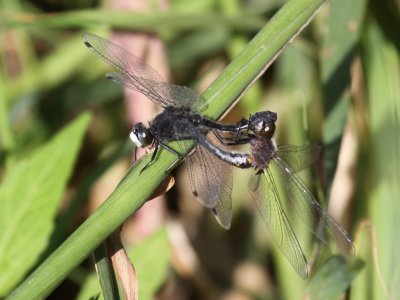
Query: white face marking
x: 135, y: 140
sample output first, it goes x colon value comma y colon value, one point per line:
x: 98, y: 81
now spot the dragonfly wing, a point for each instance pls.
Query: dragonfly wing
x: 151, y: 89
x: 223, y: 209
x: 319, y: 222
x: 135, y: 74
x: 211, y: 183
x: 185, y: 97
x: 266, y: 198
x: 299, y: 157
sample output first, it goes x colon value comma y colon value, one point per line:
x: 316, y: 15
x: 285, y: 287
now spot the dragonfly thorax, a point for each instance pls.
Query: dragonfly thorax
x: 141, y: 135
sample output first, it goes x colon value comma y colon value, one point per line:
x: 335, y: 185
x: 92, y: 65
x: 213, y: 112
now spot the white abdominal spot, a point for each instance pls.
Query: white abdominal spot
x: 135, y: 140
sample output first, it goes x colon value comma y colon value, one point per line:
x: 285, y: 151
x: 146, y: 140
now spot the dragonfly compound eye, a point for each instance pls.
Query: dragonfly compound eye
x: 268, y: 130
x: 141, y: 136
x: 263, y: 123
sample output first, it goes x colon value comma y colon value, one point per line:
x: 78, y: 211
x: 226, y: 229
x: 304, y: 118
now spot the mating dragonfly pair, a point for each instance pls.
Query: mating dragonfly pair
x: 209, y: 172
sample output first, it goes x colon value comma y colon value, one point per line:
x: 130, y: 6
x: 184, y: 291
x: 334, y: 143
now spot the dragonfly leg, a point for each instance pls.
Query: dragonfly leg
x: 154, y: 154
x: 232, y: 141
x: 153, y: 157
x: 174, y: 152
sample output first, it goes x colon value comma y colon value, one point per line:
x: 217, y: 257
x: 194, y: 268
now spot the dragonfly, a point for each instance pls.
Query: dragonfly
x: 284, y: 161
x: 209, y: 176
x: 209, y: 169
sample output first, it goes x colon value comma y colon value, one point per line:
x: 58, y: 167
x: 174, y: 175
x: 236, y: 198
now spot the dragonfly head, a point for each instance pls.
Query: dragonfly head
x: 263, y: 124
x: 141, y: 135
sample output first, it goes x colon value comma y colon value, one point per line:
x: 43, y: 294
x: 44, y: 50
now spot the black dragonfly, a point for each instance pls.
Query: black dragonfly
x: 210, y: 177
x: 284, y: 161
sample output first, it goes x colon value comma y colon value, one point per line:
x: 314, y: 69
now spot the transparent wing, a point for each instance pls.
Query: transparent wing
x: 299, y: 157
x: 223, y: 210
x: 135, y: 74
x: 182, y: 96
x: 319, y: 222
x: 162, y: 93
x: 266, y: 198
x: 211, y: 183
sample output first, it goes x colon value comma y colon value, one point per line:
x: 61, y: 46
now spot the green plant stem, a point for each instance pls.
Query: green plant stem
x: 259, y: 54
x: 236, y: 44
x: 129, y: 20
x: 105, y: 273
x: 136, y: 188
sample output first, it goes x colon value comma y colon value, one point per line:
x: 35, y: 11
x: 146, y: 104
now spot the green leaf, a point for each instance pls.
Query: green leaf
x: 338, y: 50
x: 382, y: 73
x: 29, y: 199
x: 333, y: 278
x: 151, y: 261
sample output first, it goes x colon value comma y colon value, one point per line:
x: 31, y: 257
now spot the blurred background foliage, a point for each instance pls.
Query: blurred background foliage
x: 337, y: 84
